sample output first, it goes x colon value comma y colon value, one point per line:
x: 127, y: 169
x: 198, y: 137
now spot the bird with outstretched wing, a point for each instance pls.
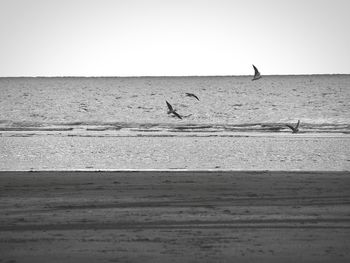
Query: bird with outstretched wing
x: 172, y: 111
x: 191, y: 95
x: 294, y: 129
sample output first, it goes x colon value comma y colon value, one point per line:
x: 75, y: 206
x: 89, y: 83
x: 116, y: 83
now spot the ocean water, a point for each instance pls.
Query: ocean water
x: 87, y: 113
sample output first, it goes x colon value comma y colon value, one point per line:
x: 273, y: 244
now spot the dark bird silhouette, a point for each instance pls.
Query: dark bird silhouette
x: 191, y: 95
x: 257, y: 74
x: 294, y: 129
x: 172, y: 111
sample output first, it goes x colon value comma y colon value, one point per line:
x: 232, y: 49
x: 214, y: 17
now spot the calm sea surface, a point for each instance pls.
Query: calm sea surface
x: 122, y: 123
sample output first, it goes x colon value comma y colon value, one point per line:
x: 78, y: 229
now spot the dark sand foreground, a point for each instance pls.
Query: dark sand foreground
x: 175, y: 217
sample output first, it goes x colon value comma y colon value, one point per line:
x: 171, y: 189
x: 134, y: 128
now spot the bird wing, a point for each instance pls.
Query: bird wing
x: 297, y: 126
x: 169, y: 106
x: 177, y: 115
x: 256, y: 71
x: 290, y: 127
x: 191, y: 95
x: 195, y: 97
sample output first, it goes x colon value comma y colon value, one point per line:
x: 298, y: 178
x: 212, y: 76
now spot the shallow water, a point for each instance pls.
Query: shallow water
x: 226, y: 103
x: 100, y: 113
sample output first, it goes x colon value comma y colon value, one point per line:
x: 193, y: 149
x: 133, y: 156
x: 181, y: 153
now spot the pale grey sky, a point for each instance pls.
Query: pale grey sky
x: 173, y: 37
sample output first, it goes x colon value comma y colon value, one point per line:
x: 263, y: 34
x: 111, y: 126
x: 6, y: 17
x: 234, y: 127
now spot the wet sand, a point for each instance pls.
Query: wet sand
x: 175, y: 216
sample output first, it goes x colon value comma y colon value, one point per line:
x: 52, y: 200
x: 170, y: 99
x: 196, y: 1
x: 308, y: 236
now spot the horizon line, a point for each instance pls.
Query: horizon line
x: 170, y: 76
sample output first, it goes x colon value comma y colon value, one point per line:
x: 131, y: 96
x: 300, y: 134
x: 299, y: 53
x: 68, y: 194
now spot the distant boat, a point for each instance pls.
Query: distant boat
x: 172, y: 111
x: 257, y: 74
x: 294, y: 129
x: 191, y: 95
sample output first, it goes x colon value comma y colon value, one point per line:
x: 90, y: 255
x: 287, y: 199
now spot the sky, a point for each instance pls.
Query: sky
x: 173, y: 37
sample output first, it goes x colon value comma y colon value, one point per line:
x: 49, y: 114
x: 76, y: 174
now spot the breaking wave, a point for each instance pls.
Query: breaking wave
x: 131, y: 127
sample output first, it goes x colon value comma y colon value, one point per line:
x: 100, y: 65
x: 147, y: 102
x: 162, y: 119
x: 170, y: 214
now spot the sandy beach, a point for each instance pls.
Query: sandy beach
x: 175, y: 216
x: 69, y: 151
x: 174, y: 131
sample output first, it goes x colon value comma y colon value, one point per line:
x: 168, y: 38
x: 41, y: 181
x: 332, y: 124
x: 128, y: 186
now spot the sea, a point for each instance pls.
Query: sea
x: 121, y: 123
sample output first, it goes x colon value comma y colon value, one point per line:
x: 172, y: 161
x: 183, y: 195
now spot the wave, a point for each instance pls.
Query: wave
x: 95, y: 126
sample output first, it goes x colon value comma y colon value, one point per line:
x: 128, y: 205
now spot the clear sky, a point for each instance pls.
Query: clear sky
x: 173, y: 37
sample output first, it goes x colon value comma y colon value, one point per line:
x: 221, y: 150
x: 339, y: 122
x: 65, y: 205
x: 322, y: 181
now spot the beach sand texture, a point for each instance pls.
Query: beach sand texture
x: 293, y: 208
x: 175, y: 216
x: 195, y: 151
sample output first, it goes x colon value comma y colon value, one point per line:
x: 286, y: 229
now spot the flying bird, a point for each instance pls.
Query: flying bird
x: 191, y: 95
x: 294, y: 129
x: 257, y: 74
x: 172, y: 111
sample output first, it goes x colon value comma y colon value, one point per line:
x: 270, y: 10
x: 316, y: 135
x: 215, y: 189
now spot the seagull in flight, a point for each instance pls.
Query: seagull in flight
x: 191, y: 95
x: 294, y: 129
x: 257, y: 74
x: 172, y: 111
